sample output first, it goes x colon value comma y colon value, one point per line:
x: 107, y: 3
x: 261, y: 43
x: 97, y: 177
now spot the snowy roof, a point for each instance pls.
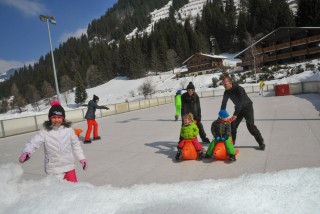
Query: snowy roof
x: 208, y: 55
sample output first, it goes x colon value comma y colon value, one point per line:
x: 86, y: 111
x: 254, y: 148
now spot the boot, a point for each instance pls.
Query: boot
x: 201, y: 155
x: 87, y: 141
x: 206, y: 140
x: 262, y: 146
x: 178, y: 154
x: 232, y: 158
x: 97, y: 138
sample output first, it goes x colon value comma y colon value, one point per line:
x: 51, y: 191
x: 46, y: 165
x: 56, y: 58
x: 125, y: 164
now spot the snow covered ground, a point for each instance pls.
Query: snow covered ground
x: 289, y: 191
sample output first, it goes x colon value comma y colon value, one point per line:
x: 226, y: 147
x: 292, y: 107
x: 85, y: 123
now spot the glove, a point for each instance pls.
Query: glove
x: 223, y: 139
x: 24, y: 157
x: 106, y: 108
x: 217, y: 139
x: 84, y: 164
x: 233, y: 118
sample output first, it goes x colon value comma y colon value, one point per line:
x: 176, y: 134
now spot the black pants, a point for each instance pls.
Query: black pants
x: 247, y: 113
x: 202, y: 134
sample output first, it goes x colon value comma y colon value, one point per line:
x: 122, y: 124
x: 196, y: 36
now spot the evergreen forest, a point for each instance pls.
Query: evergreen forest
x: 87, y: 62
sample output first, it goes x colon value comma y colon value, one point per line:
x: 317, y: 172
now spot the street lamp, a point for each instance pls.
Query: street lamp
x: 50, y: 19
x: 212, y: 40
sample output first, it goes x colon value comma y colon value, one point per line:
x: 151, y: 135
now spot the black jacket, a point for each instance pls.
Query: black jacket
x: 191, y: 104
x: 91, y: 112
x: 238, y: 96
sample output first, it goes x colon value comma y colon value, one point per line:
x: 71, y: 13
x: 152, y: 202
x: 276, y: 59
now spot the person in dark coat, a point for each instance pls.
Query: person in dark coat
x: 191, y: 104
x: 91, y: 119
x: 243, y: 109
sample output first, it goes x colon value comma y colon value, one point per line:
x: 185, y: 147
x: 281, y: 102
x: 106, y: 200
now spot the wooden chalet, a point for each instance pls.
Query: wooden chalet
x: 200, y: 63
x: 285, y: 45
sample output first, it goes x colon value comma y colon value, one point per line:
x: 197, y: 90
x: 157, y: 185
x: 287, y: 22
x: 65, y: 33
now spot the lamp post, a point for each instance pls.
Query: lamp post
x: 50, y: 19
x: 212, y: 40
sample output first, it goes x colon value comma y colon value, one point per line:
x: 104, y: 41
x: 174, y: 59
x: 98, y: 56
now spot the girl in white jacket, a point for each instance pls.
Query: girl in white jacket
x: 59, y: 142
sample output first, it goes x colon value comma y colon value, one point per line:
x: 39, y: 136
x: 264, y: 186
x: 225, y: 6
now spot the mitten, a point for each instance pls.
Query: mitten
x: 106, y: 108
x: 84, y: 164
x: 217, y: 139
x: 24, y: 157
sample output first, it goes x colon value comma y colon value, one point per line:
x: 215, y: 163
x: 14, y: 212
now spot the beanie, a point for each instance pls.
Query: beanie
x: 190, y: 86
x: 223, y: 114
x: 95, y: 98
x: 56, y: 110
x: 179, y: 91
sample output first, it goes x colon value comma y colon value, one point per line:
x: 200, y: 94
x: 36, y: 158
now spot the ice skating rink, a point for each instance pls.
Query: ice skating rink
x: 139, y: 147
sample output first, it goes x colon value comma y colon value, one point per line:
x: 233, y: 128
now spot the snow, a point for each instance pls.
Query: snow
x: 120, y: 89
x: 288, y: 191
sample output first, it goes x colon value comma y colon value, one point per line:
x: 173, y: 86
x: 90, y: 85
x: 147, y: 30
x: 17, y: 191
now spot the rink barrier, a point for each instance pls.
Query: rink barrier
x: 22, y: 125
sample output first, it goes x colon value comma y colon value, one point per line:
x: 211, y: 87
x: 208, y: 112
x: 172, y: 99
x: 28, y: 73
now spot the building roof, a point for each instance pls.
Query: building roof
x: 207, y: 55
x: 281, y: 32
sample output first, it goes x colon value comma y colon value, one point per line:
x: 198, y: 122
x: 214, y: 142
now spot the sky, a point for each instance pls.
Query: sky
x: 287, y: 191
x: 24, y: 38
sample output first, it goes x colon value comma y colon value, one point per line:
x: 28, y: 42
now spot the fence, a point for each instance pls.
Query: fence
x: 33, y: 123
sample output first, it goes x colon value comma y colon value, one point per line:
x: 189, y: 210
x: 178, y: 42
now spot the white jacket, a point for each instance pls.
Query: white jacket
x: 59, y: 145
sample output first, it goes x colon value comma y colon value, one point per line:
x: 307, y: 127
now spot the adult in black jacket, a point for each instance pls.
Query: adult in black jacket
x: 243, y: 109
x: 91, y: 119
x: 191, y: 104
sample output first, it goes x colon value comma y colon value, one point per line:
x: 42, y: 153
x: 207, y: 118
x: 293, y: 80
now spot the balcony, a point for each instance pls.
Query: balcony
x: 313, y: 38
x: 299, y: 53
x: 299, y: 42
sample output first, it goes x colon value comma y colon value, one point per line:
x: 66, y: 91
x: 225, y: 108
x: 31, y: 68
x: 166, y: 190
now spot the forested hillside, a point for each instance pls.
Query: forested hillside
x: 81, y: 62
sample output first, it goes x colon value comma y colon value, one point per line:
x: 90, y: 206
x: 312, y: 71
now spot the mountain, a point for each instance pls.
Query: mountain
x: 6, y: 75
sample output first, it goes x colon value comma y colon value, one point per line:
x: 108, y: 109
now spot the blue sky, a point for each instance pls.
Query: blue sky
x: 24, y: 38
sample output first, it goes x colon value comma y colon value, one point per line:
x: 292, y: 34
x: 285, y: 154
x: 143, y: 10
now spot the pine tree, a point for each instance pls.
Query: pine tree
x: 308, y: 13
x: 80, y: 93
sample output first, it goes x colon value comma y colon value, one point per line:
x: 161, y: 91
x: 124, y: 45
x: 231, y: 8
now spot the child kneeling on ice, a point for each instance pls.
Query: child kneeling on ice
x: 189, y: 131
x: 60, y: 141
x: 221, y: 131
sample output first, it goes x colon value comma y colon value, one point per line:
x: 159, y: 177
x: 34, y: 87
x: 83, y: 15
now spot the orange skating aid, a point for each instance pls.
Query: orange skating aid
x: 220, y: 151
x: 188, y: 151
x: 78, y: 132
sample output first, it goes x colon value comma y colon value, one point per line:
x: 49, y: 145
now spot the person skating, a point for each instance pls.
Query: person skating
x: 243, y: 109
x: 191, y: 104
x: 221, y: 131
x: 189, y: 131
x: 177, y: 104
x: 91, y: 119
x: 60, y: 143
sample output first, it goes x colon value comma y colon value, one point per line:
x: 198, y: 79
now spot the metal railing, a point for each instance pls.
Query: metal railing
x: 33, y: 123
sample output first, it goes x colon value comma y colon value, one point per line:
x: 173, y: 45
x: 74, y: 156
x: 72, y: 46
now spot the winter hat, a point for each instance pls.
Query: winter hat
x: 95, y: 98
x: 190, y: 86
x: 179, y: 91
x: 56, y: 110
x: 223, y: 114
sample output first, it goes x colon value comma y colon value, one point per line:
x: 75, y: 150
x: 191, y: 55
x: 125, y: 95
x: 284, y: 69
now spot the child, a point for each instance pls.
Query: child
x: 221, y: 130
x: 177, y: 103
x: 60, y: 141
x: 189, y: 131
x: 91, y: 119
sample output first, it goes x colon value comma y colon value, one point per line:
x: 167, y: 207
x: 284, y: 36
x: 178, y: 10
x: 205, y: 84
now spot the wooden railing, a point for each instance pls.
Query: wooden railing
x: 314, y: 50
x: 313, y: 38
x: 299, y: 53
